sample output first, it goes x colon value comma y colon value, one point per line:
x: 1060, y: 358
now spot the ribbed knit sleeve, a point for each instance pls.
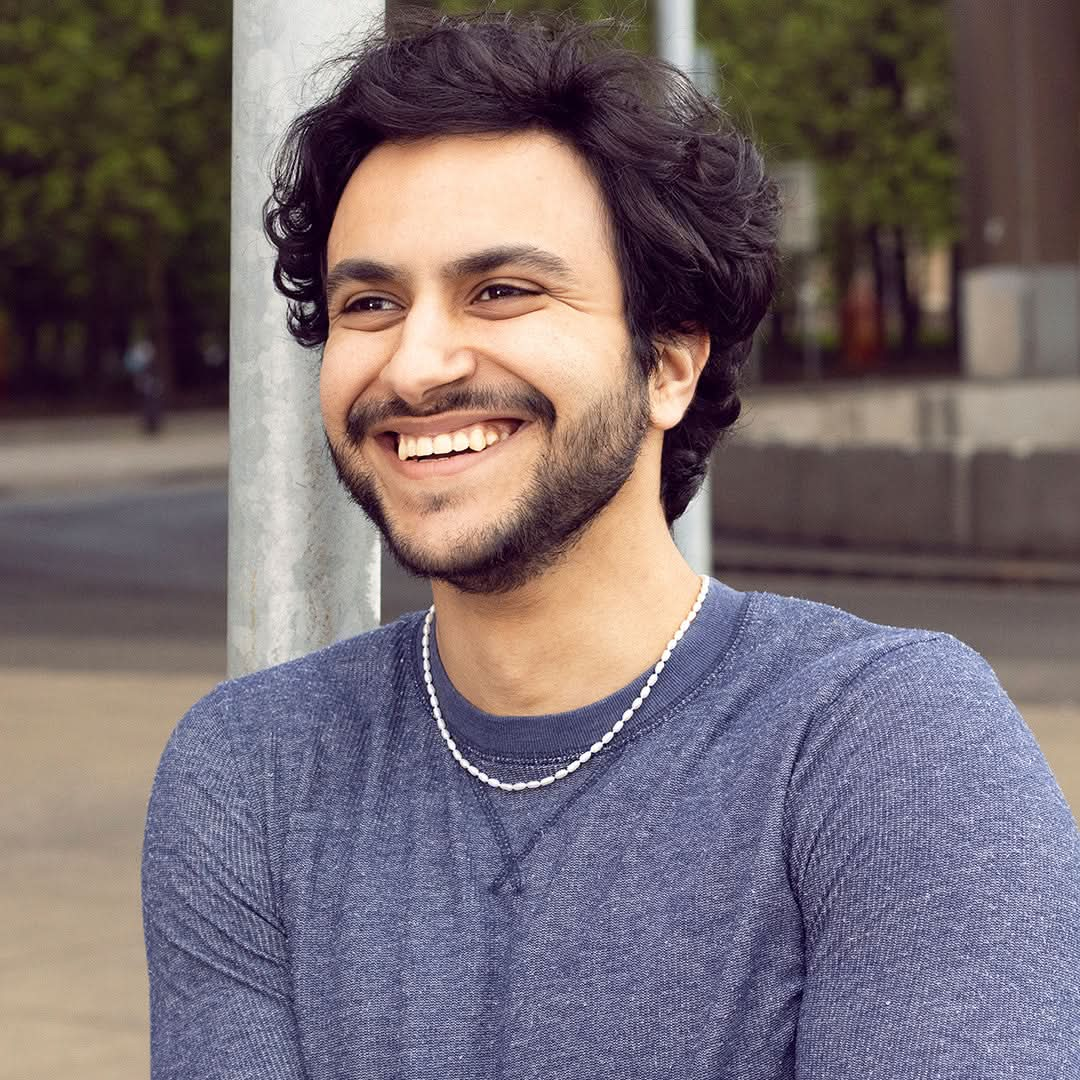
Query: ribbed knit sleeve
x: 937, y: 868
x: 220, y: 1001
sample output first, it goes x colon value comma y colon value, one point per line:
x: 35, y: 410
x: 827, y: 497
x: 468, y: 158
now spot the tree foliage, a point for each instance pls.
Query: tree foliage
x: 114, y: 136
x: 861, y: 87
x: 633, y: 18
x: 113, y: 173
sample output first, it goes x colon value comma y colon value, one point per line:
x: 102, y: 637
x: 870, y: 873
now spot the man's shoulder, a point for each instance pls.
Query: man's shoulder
x: 839, y: 680
x: 260, y: 743
x: 354, y: 662
x: 340, y: 683
x: 787, y: 634
x: 813, y: 667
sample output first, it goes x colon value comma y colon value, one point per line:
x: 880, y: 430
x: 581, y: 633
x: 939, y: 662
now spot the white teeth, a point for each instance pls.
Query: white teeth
x: 476, y: 438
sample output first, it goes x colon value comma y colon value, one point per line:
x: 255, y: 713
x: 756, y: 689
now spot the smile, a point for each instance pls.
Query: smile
x: 447, y: 453
x: 473, y: 439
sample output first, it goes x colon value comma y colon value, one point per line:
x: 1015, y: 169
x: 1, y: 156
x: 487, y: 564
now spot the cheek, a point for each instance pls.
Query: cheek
x: 579, y: 366
x: 553, y: 358
x: 343, y: 377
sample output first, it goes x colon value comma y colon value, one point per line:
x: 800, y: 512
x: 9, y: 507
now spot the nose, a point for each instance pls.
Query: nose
x: 430, y: 354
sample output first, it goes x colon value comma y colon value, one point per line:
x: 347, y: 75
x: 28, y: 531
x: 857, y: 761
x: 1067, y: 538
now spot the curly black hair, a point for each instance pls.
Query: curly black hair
x: 693, y: 215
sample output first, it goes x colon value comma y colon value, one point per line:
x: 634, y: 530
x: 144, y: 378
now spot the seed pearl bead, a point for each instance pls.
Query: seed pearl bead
x: 600, y: 744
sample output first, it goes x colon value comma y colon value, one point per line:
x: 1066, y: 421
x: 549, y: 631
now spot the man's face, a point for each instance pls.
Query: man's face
x: 477, y: 388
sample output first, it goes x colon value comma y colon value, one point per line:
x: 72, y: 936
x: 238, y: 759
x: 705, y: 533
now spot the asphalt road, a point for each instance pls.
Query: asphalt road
x: 136, y: 582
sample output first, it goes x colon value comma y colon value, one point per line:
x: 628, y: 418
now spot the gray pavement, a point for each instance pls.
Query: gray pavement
x: 79, y: 750
x: 84, y: 454
x: 112, y: 623
x: 99, y: 657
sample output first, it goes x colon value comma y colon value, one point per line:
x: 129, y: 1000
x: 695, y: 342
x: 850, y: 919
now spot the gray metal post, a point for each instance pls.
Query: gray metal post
x: 303, y: 562
x: 676, y: 42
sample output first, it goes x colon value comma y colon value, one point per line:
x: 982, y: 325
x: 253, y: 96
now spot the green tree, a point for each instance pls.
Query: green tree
x: 863, y: 88
x: 113, y: 175
x: 634, y: 17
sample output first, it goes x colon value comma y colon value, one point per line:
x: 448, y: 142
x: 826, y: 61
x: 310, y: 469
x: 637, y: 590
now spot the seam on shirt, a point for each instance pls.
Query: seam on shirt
x: 273, y: 873
x: 537, y: 834
x: 510, y: 865
x: 815, y: 717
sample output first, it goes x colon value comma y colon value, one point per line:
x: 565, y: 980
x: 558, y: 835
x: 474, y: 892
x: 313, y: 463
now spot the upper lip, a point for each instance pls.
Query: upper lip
x: 444, y: 423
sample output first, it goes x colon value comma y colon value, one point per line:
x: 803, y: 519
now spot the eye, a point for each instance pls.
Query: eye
x: 500, y: 291
x: 364, y: 304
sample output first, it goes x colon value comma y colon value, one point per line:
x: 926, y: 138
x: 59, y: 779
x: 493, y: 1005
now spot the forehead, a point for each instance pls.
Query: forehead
x: 438, y: 198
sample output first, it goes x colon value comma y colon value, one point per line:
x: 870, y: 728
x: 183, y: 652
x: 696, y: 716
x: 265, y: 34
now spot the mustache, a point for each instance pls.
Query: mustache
x: 529, y: 404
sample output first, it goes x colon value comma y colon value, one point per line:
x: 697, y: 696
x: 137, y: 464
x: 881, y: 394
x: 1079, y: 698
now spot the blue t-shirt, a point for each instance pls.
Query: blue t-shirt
x: 821, y: 849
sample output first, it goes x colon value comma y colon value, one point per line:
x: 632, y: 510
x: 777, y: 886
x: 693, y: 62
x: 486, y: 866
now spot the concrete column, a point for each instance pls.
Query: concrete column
x: 303, y: 561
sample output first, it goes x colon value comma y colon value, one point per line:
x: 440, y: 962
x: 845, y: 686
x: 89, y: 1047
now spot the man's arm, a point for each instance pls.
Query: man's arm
x: 220, y: 996
x: 938, y: 871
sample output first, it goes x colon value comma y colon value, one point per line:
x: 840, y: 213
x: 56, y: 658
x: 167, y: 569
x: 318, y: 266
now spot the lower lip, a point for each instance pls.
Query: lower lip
x: 423, y: 468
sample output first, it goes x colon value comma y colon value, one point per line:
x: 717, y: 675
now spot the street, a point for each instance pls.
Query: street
x: 136, y: 582
x: 112, y: 621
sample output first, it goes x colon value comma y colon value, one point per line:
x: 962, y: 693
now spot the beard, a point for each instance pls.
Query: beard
x: 579, y: 471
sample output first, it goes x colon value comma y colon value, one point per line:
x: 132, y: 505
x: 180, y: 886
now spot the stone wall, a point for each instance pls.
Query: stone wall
x: 1011, y: 502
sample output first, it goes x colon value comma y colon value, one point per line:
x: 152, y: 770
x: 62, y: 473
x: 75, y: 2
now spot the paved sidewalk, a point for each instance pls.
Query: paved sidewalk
x: 100, y: 453
x: 80, y: 750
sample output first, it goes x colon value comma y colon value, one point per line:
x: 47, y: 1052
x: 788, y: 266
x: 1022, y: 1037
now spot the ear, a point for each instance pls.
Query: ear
x: 673, y: 382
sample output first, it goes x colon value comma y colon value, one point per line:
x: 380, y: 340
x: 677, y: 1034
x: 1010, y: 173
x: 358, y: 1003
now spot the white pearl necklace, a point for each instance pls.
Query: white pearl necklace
x: 593, y: 750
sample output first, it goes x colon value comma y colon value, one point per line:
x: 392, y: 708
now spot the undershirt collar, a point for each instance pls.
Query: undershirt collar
x: 559, y: 735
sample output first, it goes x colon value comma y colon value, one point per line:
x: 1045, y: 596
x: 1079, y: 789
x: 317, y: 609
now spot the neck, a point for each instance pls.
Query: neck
x: 580, y: 631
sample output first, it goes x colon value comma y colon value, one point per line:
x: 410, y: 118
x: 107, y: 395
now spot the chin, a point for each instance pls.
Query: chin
x: 432, y: 545
x: 490, y: 562
x: 497, y: 551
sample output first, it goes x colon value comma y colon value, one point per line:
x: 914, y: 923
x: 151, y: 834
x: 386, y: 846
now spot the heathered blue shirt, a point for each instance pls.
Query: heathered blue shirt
x: 821, y: 849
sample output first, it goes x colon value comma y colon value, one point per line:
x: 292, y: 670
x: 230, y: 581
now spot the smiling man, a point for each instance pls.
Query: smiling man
x: 480, y: 397
x: 591, y: 814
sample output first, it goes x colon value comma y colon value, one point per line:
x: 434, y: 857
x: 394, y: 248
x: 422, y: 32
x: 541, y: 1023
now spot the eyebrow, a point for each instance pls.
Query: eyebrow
x: 349, y: 271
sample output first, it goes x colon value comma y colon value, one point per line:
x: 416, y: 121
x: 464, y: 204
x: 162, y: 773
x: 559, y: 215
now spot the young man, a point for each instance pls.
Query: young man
x: 593, y: 816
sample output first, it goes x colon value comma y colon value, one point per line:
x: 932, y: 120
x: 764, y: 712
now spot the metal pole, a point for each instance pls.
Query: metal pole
x: 675, y: 38
x: 676, y: 42
x: 303, y: 562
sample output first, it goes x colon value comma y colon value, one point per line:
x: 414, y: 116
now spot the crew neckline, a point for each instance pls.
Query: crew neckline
x: 556, y: 736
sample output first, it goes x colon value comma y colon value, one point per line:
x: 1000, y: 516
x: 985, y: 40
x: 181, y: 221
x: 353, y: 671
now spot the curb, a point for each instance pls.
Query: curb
x: 771, y: 558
